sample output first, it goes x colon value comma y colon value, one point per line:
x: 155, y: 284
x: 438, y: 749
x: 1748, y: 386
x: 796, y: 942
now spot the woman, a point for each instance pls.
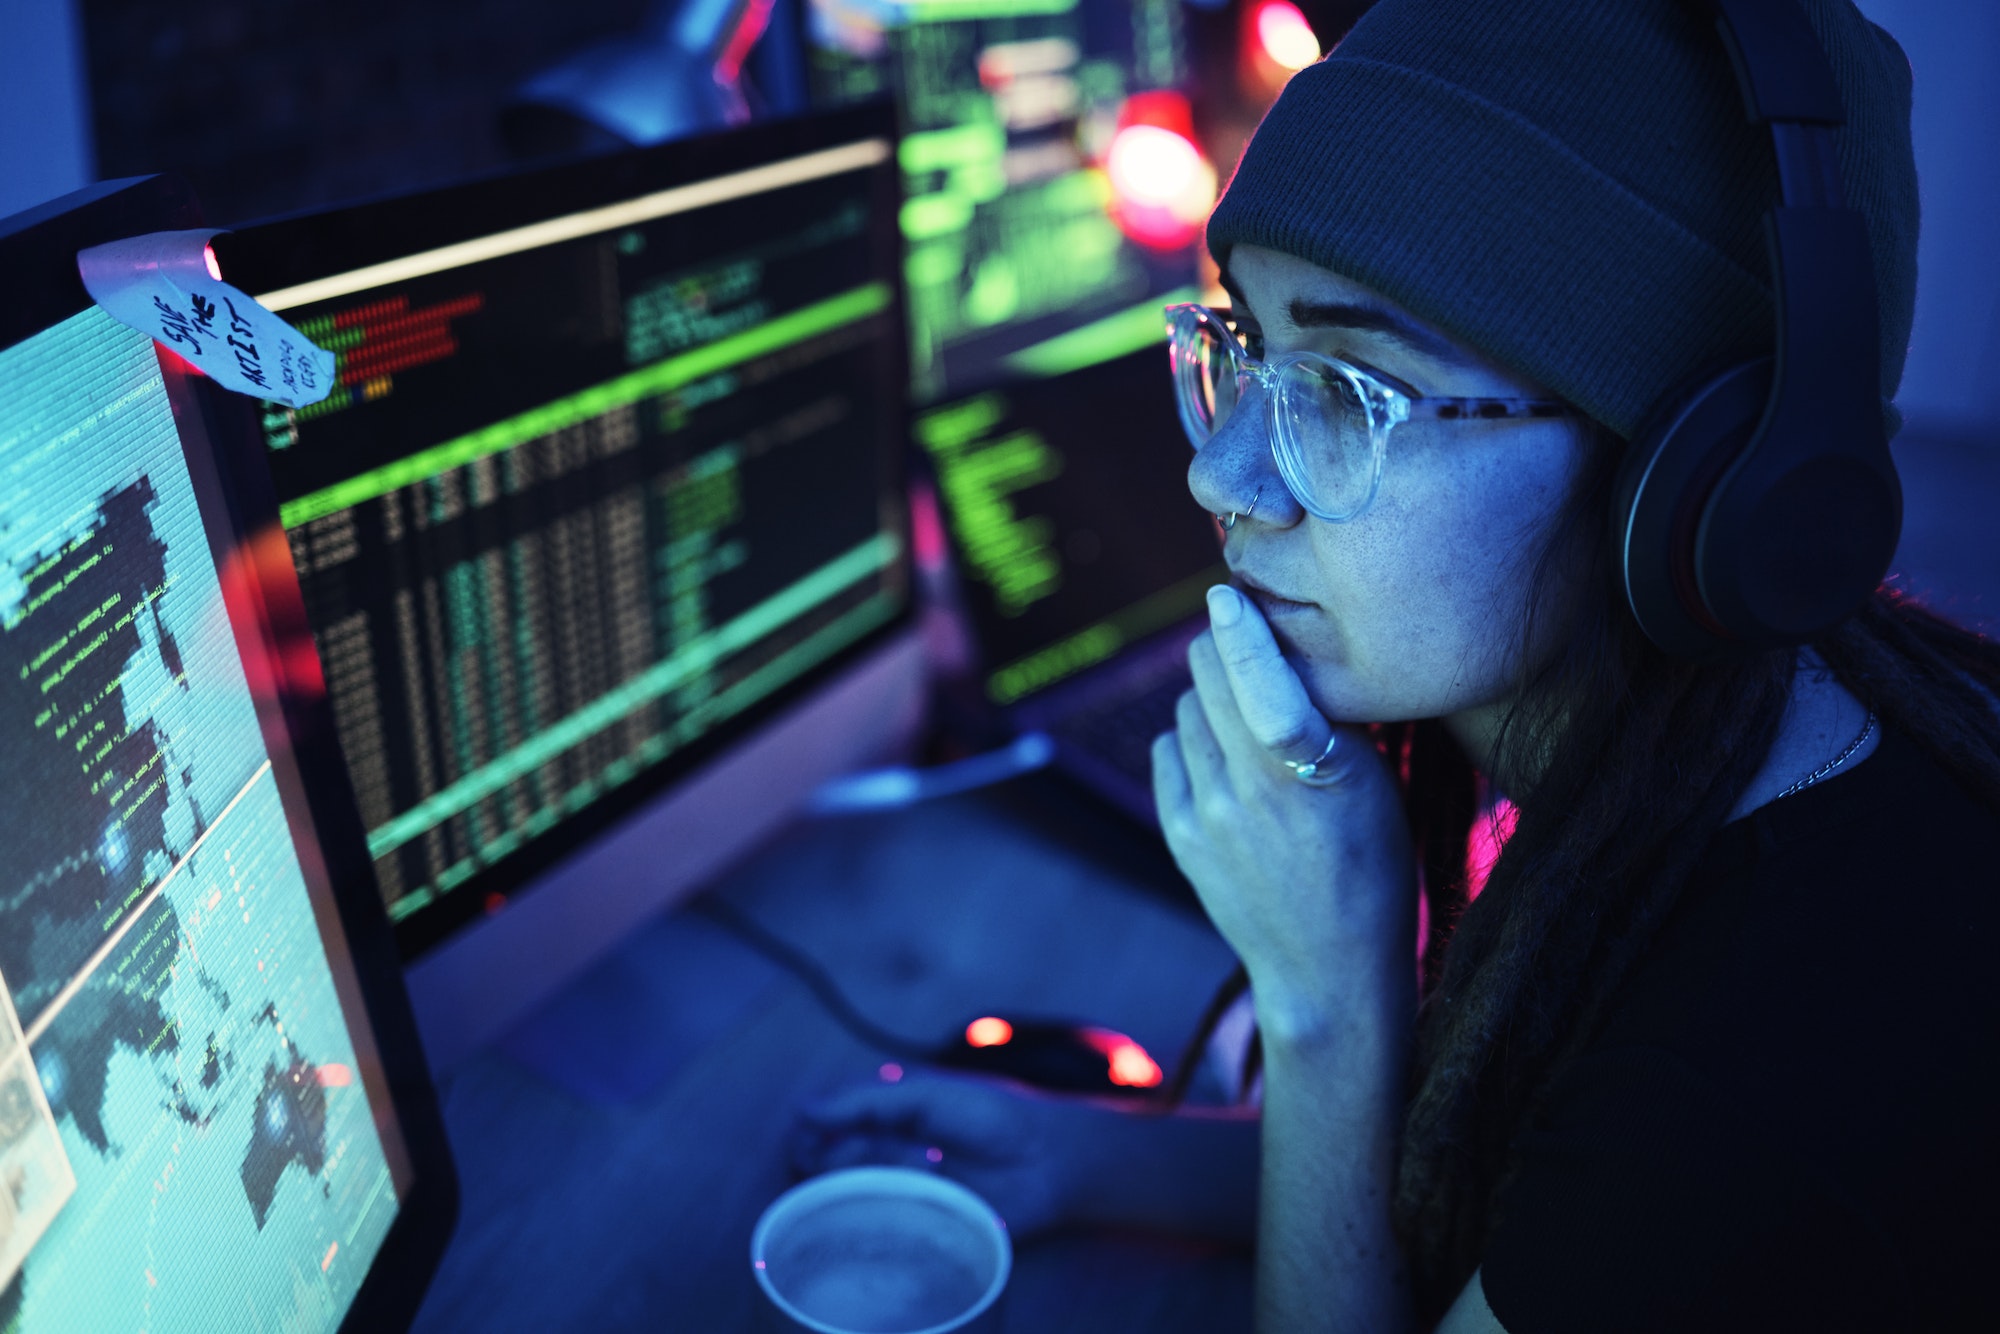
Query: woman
x: 1695, y: 1057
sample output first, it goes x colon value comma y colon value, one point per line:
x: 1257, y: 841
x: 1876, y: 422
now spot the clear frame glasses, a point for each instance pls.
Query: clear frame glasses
x: 1329, y: 420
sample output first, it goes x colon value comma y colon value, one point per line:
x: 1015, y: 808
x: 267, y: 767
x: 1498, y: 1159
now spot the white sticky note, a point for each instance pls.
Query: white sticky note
x: 167, y: 286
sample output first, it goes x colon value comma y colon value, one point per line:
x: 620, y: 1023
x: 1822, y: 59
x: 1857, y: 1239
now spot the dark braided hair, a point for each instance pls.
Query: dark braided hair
x: 1634, y: 759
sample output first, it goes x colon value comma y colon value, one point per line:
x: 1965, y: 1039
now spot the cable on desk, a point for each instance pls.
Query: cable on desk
x: 815, y: 976
x: 889, y: 789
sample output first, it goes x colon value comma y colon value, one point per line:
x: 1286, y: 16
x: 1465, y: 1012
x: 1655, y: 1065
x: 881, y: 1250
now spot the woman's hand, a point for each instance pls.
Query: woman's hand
x: 1010, y: 1145
x: 1313, y: 886
x: 1048, y: 1160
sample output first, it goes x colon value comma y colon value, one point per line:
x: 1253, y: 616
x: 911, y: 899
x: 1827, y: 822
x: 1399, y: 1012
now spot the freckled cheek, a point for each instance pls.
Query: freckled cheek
x: 1424, y: 595
x: 1420, y: 591
x: 1384, y: 583
x: 1498, y: 525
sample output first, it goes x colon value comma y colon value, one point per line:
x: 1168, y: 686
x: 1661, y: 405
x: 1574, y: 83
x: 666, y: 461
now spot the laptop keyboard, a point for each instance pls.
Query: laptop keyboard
x: 1120, y: 732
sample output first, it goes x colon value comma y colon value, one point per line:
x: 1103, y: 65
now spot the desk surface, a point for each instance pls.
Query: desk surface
x: 616, y: 1150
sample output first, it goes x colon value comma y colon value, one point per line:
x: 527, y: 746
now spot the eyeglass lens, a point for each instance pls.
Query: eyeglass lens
x: 1326, y: 434
x: 1206, y: 368
x: 1324, y: 430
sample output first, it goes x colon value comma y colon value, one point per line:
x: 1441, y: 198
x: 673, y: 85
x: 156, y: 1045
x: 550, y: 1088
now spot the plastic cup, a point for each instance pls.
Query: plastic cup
x: 881, y: 1250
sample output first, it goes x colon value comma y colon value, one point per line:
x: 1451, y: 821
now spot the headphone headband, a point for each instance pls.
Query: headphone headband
x: 1780, y: 68
x: 1760, y: 506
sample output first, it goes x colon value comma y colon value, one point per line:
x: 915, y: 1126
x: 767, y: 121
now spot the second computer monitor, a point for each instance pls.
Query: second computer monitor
x: 1012, y: 110
x: 610, y: 474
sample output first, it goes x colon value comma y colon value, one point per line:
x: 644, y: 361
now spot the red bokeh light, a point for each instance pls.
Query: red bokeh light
x: 1131, y: 1067
x: 1129, y: 1064
x: 1161, y: 183
x: 989, y: 1032
x: 1284, y: 35
x: 1275, y: 41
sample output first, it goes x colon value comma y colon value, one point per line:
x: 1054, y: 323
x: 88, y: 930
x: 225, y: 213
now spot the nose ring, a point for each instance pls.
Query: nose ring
x: 1229, y: 520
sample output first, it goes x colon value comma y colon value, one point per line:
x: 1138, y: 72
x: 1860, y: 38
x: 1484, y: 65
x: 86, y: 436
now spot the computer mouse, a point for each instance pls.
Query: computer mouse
x: 1051, y: 1054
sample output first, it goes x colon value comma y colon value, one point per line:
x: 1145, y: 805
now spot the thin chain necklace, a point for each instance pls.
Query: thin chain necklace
x: 1867, y: 731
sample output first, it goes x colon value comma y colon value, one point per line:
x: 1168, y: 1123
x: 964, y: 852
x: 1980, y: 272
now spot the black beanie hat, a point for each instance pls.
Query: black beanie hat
x: 1571, y: 186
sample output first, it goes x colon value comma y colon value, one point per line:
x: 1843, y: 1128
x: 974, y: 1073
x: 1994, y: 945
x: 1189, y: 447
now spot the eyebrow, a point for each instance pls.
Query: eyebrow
x: 1308, y: 314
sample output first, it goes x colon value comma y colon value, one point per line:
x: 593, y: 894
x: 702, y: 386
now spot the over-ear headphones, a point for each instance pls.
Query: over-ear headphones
x: 1760, y: 506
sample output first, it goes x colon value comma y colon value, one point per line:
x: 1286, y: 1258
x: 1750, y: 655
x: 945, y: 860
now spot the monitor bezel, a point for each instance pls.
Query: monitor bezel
x: 41, y: 245
x: 280, y: 253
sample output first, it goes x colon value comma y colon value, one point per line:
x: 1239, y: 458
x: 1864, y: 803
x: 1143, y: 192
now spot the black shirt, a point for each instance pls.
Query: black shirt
x: 1791, y: 1117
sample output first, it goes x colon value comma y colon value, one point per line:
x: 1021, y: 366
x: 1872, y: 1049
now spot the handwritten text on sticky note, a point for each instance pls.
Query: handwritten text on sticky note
x: 167, y: 286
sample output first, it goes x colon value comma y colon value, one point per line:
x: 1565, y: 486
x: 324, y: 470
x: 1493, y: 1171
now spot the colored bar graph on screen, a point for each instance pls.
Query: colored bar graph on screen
x: 374, y: 342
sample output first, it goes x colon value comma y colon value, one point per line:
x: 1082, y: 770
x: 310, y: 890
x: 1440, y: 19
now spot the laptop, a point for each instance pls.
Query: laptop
x: 1083, y: 561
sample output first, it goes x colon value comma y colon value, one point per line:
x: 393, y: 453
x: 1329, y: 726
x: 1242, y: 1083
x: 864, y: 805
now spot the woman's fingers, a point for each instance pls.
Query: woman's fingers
x: 1009, y: 1144
x: 1270, y: 699
x: 812, y: 1156
x: 903, y: 1108
x: 1201, y: 752
x: 875, y: 1124
x: 1218, y: 696
x: 1171, y: 796
x: 949, y: 1111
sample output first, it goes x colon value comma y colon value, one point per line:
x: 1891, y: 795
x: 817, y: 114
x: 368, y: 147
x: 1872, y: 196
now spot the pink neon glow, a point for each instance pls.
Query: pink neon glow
x: 729, y: 65
x: 926, y: 528
x: 256, y: 577
x: 934, y: 1153
x: 214, y: 264
x: 1285, y: 35
x: 333, y: 1076
x: 1490, y: 833
x: 890, y: 1072
x: 1157, y: 228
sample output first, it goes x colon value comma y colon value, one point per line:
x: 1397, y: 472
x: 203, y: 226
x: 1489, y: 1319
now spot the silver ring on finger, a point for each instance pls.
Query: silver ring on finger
x: 1308, y: 771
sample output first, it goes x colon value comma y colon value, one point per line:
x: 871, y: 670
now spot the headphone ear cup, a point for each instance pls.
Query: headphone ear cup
x: 1671, y: 469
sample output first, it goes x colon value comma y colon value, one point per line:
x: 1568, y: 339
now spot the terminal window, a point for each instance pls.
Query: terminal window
x: 572, y: 505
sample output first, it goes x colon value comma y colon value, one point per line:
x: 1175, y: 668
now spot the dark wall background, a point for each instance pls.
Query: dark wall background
x: 276, y: 105
x: 269, y: 106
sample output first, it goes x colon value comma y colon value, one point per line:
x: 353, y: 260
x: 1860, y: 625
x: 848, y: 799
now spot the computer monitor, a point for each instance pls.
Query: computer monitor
x: 603, y: 527
x: 1010, y: 109
x: 213, y: 1110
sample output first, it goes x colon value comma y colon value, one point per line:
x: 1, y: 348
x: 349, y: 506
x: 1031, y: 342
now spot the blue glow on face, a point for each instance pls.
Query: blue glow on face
x: 112, y: 849
x: 54, y: 1074
x: 277, y: 1118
